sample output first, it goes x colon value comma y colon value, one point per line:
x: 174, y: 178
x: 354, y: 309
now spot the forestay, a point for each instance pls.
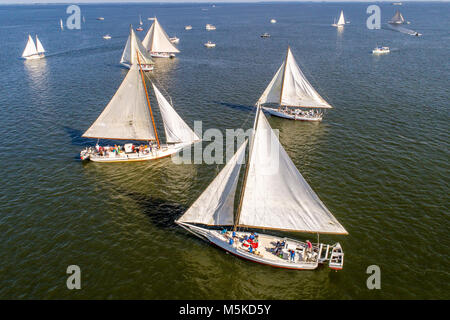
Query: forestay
x: 127, y: 115
x: 132, y: 47
x: 276, y: 195
x: 215, y: 204
x: 290, y: 87
x: 156, y: 40
x: 176, y: 129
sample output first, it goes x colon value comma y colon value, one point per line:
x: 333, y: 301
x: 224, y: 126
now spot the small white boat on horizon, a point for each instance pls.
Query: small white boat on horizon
x: 209, y: 44
x: 174, y: 40
x: 341, y: 22
x: 380, y: 50
x: 273, y: 21
x: 106, y: 37
x: 188, y: 27
x: 210, y: 27
x: 100, y: 18
x: 33, y: 50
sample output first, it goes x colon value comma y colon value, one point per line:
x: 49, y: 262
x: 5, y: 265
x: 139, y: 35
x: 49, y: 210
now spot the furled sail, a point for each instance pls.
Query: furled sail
x: 341, y: 20
x: 215, y: 204
x: 176, y: 129
x: 129, y: 55
x: 397, y: 18
x: 127, y: 115
x: 290, y: 87
x: 156, y: 40
x: 39, y: 46
x: 30, y: 48
x: 276, y: 196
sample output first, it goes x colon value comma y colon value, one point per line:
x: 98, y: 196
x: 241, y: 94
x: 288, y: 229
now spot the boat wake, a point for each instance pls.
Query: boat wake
x: 402, y: 29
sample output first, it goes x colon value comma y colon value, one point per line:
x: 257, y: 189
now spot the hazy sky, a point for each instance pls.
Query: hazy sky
x: 174, y: 1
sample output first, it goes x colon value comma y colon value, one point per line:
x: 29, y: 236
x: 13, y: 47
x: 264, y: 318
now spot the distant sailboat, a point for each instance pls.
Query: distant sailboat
x: 174, y: 40
x: 140, y: 20
x: 140, y: 24
x: 397, y: 18
x: 274, y: 196
x: 61, y: 24
x: 158, y: 43
x: 341, y: 21
x: 130, y: 53
x: 291, y: 92
x: 32, y: 50
x: 129, y: 116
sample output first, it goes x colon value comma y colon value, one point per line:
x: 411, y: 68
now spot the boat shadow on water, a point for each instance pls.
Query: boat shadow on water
x: 161, y: 213
x: 236, y: 106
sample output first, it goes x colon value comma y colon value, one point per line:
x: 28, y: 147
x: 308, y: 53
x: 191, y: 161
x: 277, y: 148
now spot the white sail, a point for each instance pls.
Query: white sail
x: 40, y: 48
x: 176, y: 129
x: 129, y: 55
x: 61, y: 24
x: 215, y: 204
x: 290, y: 87
x: 140, y: 21
x: 341, y: 20
x: 127, y: 115
x: 276, y: 196
x: 30, y: 48
x: 156, y: 40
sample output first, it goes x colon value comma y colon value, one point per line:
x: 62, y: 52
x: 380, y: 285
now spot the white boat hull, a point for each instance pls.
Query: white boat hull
x: 35, y: 56
x: 162, y: 55
x: 303, y: 260
x: 298, y: 117
x: 163, y: 152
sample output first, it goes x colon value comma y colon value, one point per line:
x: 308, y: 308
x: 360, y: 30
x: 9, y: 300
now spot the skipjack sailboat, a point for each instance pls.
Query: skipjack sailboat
x: 291, y: 91
x: 272, y: 197
x: 341, y: 21
x: 132, y: 49
x: 129, y: 116
x: 158, y: 43
x: 32, y: 50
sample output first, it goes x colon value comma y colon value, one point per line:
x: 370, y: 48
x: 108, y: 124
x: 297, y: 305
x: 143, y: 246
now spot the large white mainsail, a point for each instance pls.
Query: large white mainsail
x: 30, y: 48
x: 341, y: 20
x: 132, y: 48
x: 215, y: 204
x: 127, y: 115
x: 289, y: 87
x: 156, y: 40
x: 275, y: 195
x: 177, y: 131
x: 39, y: 46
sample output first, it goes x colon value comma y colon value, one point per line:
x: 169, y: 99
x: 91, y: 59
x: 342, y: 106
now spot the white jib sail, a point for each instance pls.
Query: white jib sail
x: 177, y: 131
x: 215, y: 205
x: 127, y: 115
x: 276, y: 195
x: 341, y: 20
x: 129, y: 55
x: 30, y: 48
x: 61, y: 24
x: 290, y: 87
x: 156, y: 40
x: 39, y: 46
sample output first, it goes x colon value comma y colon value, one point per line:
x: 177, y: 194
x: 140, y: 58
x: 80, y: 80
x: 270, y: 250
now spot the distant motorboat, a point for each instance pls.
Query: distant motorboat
x: 139, y: 29
x: 210, y: 27
x: 100, y: 18
x: 380, y: 50
x: 265, y: 35
x: 273, y: 21
x: 209, y: 44
x: 174, y: 40
x: 396, y: 3
x: 33, y: 51
x: 188, y: 27
x: 107, y: 37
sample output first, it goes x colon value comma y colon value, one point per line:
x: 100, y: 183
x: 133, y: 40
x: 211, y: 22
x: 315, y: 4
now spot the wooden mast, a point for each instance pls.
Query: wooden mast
x: 284, y: 75
x: 238, y: 215
x: 148, y: 100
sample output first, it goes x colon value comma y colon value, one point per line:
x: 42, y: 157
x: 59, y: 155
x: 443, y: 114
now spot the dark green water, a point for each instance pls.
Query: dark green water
x: 379, y: 160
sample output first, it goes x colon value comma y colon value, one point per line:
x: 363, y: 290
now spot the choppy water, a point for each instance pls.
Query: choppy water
x: 379, y: 160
